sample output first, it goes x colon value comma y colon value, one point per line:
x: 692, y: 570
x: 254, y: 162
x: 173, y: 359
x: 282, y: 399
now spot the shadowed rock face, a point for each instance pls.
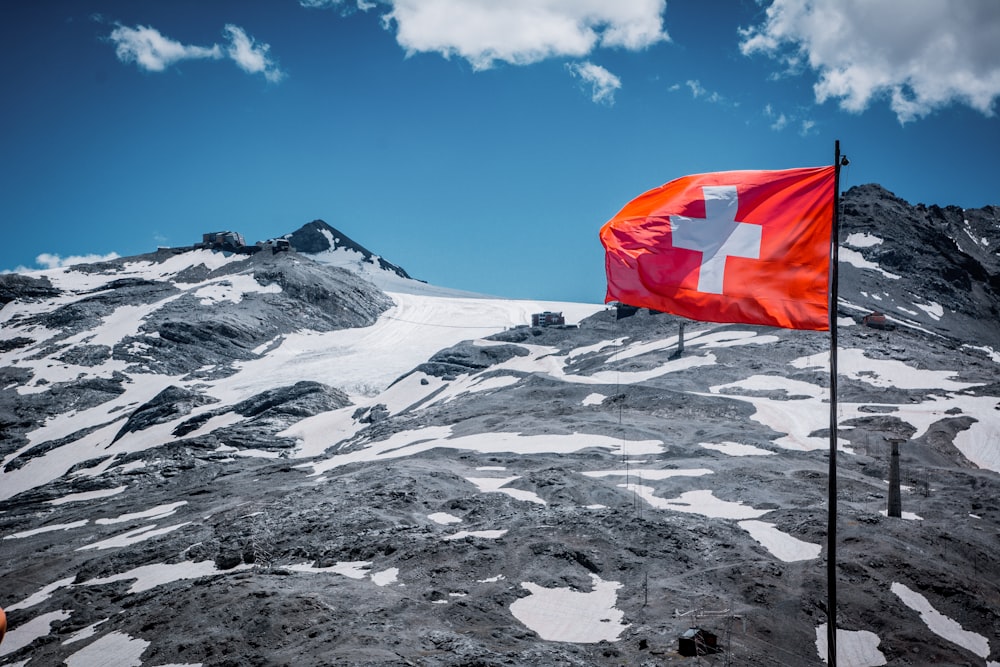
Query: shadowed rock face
x: 948, y: 256
x: 195, y: 511
x: 17, y: 286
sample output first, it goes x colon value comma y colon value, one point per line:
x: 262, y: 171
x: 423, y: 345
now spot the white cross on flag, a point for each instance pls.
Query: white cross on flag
x: 738, y: 246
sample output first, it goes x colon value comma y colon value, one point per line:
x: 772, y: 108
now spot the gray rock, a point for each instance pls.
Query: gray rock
x: 168, y: 405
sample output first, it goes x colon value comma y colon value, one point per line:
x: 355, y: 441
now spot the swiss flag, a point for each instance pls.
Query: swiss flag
x: 731, y: 246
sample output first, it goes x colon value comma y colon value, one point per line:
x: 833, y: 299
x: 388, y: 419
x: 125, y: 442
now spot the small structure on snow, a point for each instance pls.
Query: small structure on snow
x: 276, y: 245
x: 877, y: 320
x: 547, y: 319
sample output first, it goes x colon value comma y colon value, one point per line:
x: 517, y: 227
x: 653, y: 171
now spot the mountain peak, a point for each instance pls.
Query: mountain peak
x: 318, y: 237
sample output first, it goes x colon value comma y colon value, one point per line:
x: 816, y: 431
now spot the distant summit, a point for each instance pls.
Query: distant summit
x: 318, y: 237
x: 922, y: 265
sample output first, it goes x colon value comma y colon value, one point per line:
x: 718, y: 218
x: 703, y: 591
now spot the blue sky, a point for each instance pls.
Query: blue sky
x: 480, y: 145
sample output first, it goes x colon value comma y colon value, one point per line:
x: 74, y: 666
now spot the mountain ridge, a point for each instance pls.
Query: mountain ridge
x: 211, y: 458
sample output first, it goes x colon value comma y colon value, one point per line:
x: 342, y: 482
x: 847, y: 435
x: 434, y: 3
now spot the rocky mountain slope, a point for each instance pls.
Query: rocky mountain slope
x: 221, y: 459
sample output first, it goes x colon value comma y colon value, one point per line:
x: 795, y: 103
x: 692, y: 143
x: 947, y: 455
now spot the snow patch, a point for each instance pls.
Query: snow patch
x: 496, y: 484
x: 855, y: 648
x: 782, y: 545
x: 736, y: 449
x: 934, y: 309
x: 853, y: 363
x: 86, y: 495
x: 651, y: 474
x: 46, y: 529
x: 701, y: 502
x: 990, y: 352
x: 385, y: 577
x: 862, y: 240
x: 133, y: 536
x: 41, y: 595
x: 357, y: 569
x: 855, y: 258
x: 939, y: 624
x: 565, y: 615
x: 909, y: 516
x: 148, y: 577
x: 483, y: 534
x: 158, y: 512
x: 84, y: 633
x: 115, y: 649
x: 40, y: 626
x: 233, y: 288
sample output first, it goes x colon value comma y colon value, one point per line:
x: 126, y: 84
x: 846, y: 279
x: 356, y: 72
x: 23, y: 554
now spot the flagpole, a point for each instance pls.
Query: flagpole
x: 831, y: 533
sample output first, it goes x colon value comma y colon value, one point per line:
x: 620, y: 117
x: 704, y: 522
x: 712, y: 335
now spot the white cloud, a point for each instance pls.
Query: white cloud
x: 697, y: 91
x: 251, y: 57
x: 363, y: 5
x: 921, y: 56
x: 522, y: 32
x: 54, y: 261
x: 151, y: 51
x: 696, y: 88
x: 780, y: 120
x: 603, y: 83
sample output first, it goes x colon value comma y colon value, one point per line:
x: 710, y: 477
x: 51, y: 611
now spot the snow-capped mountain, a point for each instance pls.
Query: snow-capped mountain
x: 309, y: 458
x: 330, y: 246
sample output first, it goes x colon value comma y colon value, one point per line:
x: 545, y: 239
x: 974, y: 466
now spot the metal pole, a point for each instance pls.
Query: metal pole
x: 831, y: 532
x: 895, y: 508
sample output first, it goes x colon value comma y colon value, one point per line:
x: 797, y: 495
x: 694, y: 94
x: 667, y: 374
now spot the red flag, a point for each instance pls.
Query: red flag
x: 732, y: 246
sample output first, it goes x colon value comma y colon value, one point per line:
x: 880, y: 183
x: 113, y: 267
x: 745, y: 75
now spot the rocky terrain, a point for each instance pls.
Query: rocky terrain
x: 309, y: 458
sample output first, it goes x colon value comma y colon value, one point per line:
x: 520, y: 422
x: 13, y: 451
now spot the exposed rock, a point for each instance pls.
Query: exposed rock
x: 303, y: 399
x: 403, y: 530
x: 166, y: 406
x: 949, y: 258
x: 467, y: 357
x: 27, y: 288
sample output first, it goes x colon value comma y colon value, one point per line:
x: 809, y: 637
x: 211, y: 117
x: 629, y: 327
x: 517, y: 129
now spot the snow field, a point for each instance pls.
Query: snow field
x: 408, y: 334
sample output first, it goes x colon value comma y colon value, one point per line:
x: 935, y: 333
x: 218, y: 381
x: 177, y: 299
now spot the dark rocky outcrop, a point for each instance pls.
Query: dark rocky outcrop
x: 302, y: 399
x: 948, y: 256
x: 468, y: 357
x: 27, y: 288
x: 168, y: 405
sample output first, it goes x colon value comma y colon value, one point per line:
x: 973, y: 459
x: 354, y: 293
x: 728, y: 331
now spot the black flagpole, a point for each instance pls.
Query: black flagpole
x: 831, y: 533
